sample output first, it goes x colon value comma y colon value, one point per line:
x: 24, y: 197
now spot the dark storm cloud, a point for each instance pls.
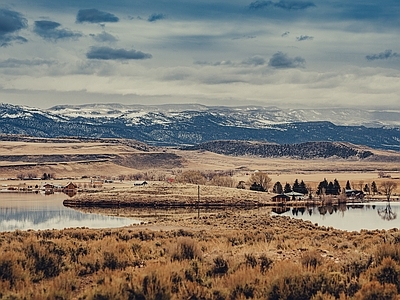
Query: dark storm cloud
x: 10, y: 23
x: 93, y: 15
x: 281, y: 60
x: 383, y: 55
x: 107, y: 53
x: 156, y: 17
x: 16, y: 63
x: 104, y: 37
x: 287, y: 5
x: 304, y: 38
x: 50, y: 30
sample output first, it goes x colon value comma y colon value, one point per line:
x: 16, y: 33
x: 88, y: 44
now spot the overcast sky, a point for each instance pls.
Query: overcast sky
x: 318, y: 53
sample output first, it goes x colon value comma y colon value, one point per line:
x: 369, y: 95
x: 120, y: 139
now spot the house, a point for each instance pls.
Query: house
x: 48, y: 188
x: 70, y: 187
x: 280, y: 198
x: 140, y: 183
x: 355, y: 194
x: 295, y: 195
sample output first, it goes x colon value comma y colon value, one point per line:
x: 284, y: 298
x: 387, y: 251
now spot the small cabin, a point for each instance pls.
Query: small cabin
x: 280, y: 198
x: 48, y: 186
x: 355, y: 194
x: 70, y: 187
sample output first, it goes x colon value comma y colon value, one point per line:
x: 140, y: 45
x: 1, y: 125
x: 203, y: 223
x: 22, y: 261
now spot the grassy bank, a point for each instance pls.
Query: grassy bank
x: 228, y: 255
x: 162, y: 194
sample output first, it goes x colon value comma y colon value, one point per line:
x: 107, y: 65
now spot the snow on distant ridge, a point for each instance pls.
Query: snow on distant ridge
x: 243, y: 116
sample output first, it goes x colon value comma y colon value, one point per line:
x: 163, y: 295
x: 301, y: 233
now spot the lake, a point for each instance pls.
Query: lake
x: 37, y: 211
x: 350, y: 217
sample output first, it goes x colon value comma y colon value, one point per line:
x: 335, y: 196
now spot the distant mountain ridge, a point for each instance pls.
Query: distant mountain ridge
x: 308, y: 150
x: 191, y: 124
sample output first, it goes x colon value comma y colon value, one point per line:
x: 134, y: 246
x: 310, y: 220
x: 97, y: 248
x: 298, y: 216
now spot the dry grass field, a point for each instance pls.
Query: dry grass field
x: 224, y: 255
x: 229, y: 254
x: 119, y: 159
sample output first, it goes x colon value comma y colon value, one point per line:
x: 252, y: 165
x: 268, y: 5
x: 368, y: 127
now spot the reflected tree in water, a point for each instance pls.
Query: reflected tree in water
x: 387, y: 213
x: 387, y: 188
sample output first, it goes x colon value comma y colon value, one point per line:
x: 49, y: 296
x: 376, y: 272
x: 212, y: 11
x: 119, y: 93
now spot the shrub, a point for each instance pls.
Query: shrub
x: 388, y: 250
x: 374, y: 290
x: 265, y: 263
x: 186, y: 249
x: 357, y: 266
x: 221, y: 266
x: 247, y: 291
x: 45, y: 259
x: 388, y: 272
x: 110, y: 261
x: 153, y: 289
x: 191, y: 176
x: 6, y: 270
x: 222, y: 180
x: 295, y: 286
x: 251, y: 261
x: 311, y: 259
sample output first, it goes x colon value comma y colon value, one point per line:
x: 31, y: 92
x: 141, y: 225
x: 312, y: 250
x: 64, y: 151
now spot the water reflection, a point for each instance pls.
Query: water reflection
x: 37, y: 211
x: 355, y: 216
x: 387, y: 213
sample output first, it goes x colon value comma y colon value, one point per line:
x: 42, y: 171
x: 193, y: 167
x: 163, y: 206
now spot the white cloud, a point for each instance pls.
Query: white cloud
x: 213, y: 52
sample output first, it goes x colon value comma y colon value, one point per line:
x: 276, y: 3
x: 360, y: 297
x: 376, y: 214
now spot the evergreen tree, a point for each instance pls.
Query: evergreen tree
x: 296, y: 186
x: 303, y: 188
x: 367, y: 189
x: 330, y: 189
x: 277, y: 189
x: 348, y: 186
x: 374, y: 188
x: 322, y: 187
x: 287, y: 188
x: 336, y: 187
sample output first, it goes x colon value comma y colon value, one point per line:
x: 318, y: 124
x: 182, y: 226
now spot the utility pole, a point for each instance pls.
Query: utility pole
x: 198, y: 201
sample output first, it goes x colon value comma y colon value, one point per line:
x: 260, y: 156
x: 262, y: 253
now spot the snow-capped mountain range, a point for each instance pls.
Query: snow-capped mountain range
x: 190, y: 124
x: 255, y: 116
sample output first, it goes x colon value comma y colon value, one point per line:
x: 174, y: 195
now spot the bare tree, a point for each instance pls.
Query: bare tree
x: 387, y: 213
x: 262, y: 179
x: 387, y: 187
x: 221, y: 180
x: 360, y: 185
x: 32, y: 175
x: 191, y: 176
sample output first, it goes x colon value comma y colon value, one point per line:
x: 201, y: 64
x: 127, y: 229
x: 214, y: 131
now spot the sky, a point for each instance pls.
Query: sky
x: 297, y: 54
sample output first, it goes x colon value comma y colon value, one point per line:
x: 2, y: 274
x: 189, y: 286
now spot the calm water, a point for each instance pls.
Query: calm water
x: 37, y: 211
x: 355, y: 217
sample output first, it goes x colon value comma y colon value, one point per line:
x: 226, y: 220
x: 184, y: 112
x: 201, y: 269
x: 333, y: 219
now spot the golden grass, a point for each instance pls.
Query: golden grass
x: 238, y: 256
